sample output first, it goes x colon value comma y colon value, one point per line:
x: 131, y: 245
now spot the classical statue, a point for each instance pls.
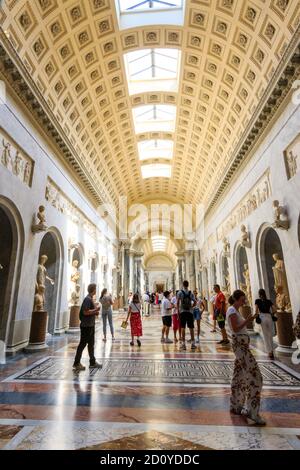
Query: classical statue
x: 27, y: 173
x: 280, y: 284
x: 42, y: 276
x: 41, y: 225
x: 226, y: 246
x: 75, y: 296
x: 282, y: 300
x: 292, y: 163
x: 279, y: 212
x: 247, y: 284
x: 6, y: 156
x: 39, y: 299
x: 75, y: 275
x: 245, y: 237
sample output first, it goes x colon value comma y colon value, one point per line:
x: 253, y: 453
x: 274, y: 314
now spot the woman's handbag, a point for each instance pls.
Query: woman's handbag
x: 258, y: 320
x: 124, y: 324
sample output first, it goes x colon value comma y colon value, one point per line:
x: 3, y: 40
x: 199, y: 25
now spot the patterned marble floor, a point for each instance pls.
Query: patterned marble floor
x: 155, y: 397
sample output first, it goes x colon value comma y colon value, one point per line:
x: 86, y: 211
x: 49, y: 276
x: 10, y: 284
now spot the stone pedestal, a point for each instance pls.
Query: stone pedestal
x: 246, y: 310
x: 74, y: 321
x: 285, y: 333
x: 37, y: 339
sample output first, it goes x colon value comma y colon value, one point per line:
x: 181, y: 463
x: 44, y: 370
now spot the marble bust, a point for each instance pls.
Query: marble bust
x: 40, y: 226
x: 280, y: 219
x: 75, y: 296
x: 245, y: 237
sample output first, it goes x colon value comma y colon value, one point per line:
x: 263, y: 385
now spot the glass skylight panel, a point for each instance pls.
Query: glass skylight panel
x: 156, y: 170
x: 152, y: 70
x: 149, y: 149
x: 152, y: 118
x: 135, y: 5
x: 159, y: 243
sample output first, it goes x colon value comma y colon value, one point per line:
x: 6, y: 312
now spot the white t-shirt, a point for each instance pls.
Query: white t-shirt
x: 231, y: 311
x: 164, y: 306
x: 146, y: 298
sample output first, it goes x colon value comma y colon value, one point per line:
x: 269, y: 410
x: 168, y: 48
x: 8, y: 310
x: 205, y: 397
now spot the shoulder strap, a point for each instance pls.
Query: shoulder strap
x: 137, y: 307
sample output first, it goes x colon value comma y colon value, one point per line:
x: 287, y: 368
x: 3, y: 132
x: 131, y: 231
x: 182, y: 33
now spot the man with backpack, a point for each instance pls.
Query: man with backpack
x: 185, y: 304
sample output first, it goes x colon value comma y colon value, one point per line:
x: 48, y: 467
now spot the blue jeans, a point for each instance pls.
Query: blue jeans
x: 107, y: 316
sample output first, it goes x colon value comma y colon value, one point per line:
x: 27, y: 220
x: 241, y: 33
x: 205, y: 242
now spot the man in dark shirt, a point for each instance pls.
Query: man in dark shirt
x: 87, y: 314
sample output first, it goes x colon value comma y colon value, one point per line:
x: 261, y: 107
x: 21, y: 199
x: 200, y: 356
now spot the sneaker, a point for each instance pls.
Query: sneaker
x: 96, y: 365
x: 131, y: 343
x: 168, y: 341
x: 139, y: 343
x: 193, y: 347
x: 162, y: 340
x: 104, y: 339
x: 197, y: 340
x: 257, y: 419
x: 78, y: 367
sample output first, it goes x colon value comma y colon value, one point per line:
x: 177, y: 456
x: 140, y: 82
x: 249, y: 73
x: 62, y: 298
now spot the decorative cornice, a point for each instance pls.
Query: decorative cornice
x: 280, y: 85
x: 14, y: 72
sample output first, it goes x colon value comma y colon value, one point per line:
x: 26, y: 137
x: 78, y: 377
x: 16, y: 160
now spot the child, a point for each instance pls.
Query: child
x: 134, y: 312
x: 88, y: 312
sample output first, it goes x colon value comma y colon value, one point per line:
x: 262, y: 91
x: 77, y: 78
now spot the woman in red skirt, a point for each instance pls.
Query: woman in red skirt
x: 134, y: 312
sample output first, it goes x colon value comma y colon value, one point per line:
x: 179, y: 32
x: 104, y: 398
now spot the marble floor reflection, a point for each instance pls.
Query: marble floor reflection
x: 153, y: 397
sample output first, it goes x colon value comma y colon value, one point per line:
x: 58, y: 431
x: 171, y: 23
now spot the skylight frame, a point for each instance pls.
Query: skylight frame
x: 159, y: 243
x: 165, y: 123
x: 160, y: 5
x: 153, y: 69
x: 156, y: 148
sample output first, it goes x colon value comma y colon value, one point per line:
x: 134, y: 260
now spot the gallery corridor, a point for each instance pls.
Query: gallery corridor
x: 153, y: 397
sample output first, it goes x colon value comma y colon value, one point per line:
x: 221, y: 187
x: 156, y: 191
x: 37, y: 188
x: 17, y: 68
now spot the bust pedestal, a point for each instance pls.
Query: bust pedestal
x: 285, y: 333
x: 37, y: 339
x: 74, y: 321
x: 246, y: 310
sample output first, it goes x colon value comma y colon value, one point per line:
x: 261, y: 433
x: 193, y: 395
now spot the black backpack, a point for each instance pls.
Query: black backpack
x: 186, y: 301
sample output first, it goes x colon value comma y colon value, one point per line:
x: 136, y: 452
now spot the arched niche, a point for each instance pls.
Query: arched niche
x: 269, y: 244
x: 241, y: 259
x: 77, y: 254
x: 11, y: 254
x: 51, y: 246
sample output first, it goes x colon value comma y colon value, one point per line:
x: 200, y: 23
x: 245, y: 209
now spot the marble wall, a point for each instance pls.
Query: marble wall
x: 31, y: 175
x: 268, y: 176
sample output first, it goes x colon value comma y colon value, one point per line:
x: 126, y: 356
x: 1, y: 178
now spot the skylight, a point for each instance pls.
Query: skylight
x: 159, y: 243
x: 149, y: 149
x: 151, y: 118
x: 134, y: 5
x: 156, y: 170
x: 152, y: 70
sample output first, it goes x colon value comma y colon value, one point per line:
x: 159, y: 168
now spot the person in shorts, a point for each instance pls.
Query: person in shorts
x: 185, y: 304
x: 166, y: 314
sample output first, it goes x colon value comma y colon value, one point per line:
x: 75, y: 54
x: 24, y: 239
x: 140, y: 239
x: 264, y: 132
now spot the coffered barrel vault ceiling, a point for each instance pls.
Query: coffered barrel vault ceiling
x: 229, y: 51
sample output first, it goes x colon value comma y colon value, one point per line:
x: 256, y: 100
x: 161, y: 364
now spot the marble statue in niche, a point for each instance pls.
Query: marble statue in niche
x: 280, y: 216
x: 41, y: 278
x: 226, y: 247
x: 75, y: 275
x: 247, y: 284
x: 40, y: 226
x: 280, y: 282
x: 27, y: 173
x: 18, y: 163
x: 245, y: 237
